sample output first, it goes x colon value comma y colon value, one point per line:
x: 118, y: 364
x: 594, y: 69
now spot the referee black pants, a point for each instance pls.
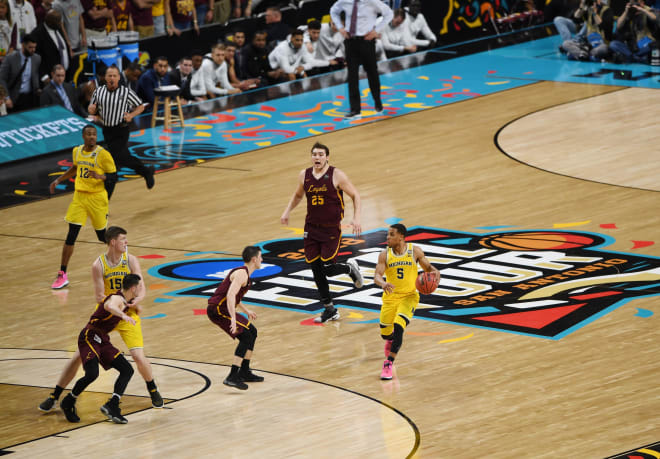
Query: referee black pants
x: 361, y: 51
x: 116, y: 139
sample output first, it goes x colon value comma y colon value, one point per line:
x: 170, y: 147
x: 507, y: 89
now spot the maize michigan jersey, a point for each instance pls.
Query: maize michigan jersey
x: 113, y: 275
x: 99, y: 160
x: 401, y: 271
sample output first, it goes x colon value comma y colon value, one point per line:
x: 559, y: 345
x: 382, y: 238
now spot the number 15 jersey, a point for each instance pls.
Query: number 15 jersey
x: 114, y: 275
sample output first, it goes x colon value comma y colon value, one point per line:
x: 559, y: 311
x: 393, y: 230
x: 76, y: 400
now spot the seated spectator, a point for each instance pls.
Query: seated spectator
x: 19, y: 75
x: 59, y: 92
x: 634, y: 36
x: 397, y: 39
x: 143, y: 19
x: 241, y: 8
x: 51, y: 45
x: 98, y: 18
x: 237, y: 38
x: 417, y: 25
x: 243, y: 85
x: 292, y: 57
x: 73, y: 23
x: 152, y: 79
x: 8, y: 30
x: 123, y: 13
x: 4, y: 100
x: 325, y: 43
x: 22, y: 14
x: 130, y: 75
x: 197, y: 85
x: 214, y: 72
x: 593, y: 44
x: 181, y: 77
x: 571, y: 25
x: 276, y: 30
x: 256, y: 61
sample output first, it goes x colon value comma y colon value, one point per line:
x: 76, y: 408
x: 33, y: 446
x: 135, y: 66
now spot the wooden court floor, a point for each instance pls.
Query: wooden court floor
x: 459, y: 392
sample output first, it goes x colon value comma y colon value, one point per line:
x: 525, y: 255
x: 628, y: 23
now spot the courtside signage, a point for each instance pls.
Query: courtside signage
x: 542, y: 283
x: 39, y: 132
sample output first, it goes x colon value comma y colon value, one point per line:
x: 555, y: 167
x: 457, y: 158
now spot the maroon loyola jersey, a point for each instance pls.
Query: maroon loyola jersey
x: 219, y: 297
x: 325, y: 203
x: 103, y: 320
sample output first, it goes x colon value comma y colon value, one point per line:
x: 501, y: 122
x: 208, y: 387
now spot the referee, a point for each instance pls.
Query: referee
x: 360, y: 44
x: 115, y: 106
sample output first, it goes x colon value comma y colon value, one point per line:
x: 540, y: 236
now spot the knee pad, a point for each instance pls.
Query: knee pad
x: 253, y: 330
x: 386, y: 331
x: 100, y: 234
x: 397, y: 338
x: 122, y: 365
x: 72, y: 235
x: 242, y: 348
x: 91, y: 368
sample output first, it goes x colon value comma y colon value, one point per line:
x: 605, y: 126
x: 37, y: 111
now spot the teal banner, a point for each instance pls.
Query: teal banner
x: 39, y: 132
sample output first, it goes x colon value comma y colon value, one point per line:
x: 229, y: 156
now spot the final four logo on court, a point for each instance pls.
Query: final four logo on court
x: 542, y: 283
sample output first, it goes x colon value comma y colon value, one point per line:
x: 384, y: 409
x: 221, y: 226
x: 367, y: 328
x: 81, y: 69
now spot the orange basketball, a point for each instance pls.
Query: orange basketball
x: 426, y: 283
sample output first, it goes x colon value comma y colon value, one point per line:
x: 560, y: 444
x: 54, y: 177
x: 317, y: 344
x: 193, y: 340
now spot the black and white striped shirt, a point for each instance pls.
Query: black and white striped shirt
x: 112, y: 105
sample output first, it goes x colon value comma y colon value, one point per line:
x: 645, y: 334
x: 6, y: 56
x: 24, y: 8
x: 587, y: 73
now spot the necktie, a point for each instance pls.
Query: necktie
x: 62, y: 49
x: 353, y: 28
x: 65, y: 98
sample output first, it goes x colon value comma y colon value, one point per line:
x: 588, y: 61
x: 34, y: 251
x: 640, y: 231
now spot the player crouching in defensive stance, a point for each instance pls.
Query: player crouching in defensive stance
x: 222, y: 312
x: 400, y: 297
x: 95, y: 347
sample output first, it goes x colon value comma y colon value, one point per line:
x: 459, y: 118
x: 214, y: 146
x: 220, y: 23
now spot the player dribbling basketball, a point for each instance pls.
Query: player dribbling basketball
x: 398, y: 263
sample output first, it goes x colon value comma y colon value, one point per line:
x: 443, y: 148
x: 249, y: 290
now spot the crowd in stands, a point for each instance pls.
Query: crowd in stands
x: 39, y: 42
x: 591, y: 32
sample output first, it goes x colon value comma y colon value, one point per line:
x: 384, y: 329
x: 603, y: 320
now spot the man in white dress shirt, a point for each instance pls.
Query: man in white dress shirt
x: 359, y: 43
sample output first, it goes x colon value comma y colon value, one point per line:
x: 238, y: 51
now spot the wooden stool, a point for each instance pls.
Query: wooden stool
x: 166, y: 101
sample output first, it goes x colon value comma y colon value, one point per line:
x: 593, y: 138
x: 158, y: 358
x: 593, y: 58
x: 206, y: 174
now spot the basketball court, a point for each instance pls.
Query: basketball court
x: 529, y: 181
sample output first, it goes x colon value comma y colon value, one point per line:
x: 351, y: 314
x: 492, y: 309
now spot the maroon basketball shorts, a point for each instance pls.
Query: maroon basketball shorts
x: 220, y: 316
x: 94, y: 344
x: 321, y: 241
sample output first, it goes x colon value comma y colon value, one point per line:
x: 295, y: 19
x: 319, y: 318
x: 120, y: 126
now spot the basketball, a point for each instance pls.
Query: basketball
x: 426, y: 283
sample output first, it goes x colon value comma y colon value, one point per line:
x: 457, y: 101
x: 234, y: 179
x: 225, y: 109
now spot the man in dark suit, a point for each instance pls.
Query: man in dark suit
x: 59, y: 92
x: 51, y: 45
x: 130, y: 75
x: 19, y: 74
x: 181, y: 76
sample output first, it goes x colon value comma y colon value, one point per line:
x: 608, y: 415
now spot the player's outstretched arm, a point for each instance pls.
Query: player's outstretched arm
x: 97, y: 279
x: 295, y: 199
x: 347, y: 186
x: 239, y: 278
x: 134, y: 265
x: 423, y: 261
x: 71, y: 172
x: 379, y: 280
x: 114, y: 306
